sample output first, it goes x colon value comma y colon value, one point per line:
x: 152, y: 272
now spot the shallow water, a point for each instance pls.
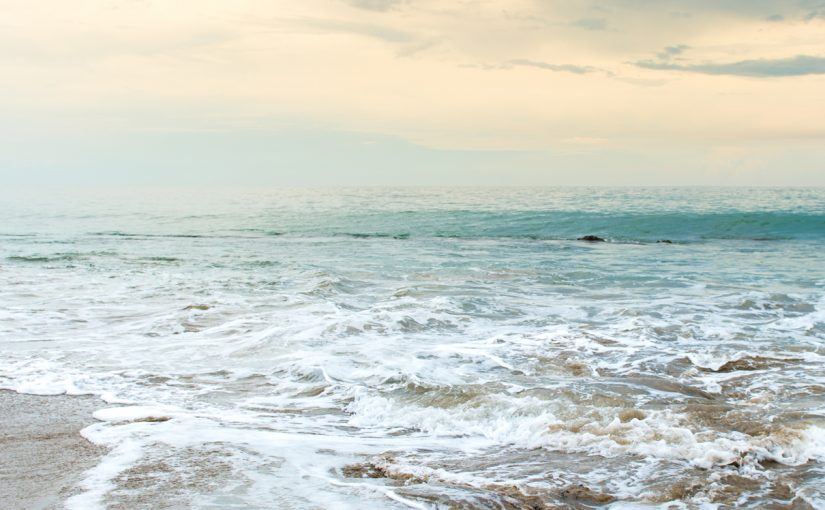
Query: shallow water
x: 432, y: 348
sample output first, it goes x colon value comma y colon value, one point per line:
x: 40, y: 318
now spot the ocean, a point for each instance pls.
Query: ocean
x: 428, y: 348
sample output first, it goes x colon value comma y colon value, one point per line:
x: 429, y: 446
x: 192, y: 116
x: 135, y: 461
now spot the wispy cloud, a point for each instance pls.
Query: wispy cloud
x: 413, y: 49
x: 591, y: 23
x: 354, y: 27
x: 799, y: 65
x: 376, y: 5
x: 569, y: 68
x: 672, y: 51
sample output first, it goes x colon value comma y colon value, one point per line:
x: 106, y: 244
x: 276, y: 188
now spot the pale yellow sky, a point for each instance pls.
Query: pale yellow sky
x: 743, y: 82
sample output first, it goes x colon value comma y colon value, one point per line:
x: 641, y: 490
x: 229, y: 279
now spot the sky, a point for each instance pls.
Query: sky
x: 412, y: 92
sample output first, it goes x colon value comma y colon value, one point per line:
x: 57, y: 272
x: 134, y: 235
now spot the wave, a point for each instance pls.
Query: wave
x: 678, y: 227
x: 117, y: 233
x: 138, y: 236
x: 59, y: 257
x: 42, y: 258
x: 559, y: 225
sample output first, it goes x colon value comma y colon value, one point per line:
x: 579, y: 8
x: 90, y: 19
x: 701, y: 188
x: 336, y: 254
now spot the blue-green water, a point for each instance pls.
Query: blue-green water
x: 454, y: 348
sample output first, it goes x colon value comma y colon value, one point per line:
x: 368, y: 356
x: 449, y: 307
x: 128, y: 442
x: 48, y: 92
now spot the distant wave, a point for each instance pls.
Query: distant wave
x: 116, y: 233
x: 42, y: 258
x: 248, y: 232
x: 678, y: 227
x: 59, y: 257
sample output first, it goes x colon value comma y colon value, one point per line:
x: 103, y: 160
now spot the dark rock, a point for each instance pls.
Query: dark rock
x: 197, y: 307
x: 583, y: 493
x: 666, y: 241
x: 592, y: 239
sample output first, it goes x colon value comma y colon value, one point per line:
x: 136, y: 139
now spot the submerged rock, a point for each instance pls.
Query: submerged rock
x: 666, y: 241
x: 583, y: 493
x: 631, y: 414
x: 592, y: 239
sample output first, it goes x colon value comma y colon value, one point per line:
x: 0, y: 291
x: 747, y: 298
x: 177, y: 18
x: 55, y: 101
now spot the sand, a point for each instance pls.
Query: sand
x: 43, y: 454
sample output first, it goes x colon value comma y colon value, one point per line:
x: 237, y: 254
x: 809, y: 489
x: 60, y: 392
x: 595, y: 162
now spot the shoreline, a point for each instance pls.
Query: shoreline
x: 44, y: 455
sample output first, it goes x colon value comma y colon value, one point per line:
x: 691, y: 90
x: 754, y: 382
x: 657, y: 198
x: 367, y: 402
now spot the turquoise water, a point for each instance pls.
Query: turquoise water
x: 429, y: 348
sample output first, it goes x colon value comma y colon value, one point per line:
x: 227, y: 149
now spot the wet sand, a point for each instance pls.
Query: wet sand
x: 43, y: 454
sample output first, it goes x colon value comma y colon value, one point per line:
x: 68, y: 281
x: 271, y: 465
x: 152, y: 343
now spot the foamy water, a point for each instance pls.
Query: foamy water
x: 429, y: 348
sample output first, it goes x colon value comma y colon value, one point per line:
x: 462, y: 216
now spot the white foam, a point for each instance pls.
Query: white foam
x: 133, y: 413
x: 528, y: 423
x: 99, y: 480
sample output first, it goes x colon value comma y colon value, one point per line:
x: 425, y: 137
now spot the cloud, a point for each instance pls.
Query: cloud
x: 354, y: 27
x: 743, y: 8
x: 775, y: 18
x: 672, y: 51
x: 799, y: 65
x: 375, y: 5
x: 413, y: 49
x: 569, y: 68
x: 819, y: 13
x: 591, y: 23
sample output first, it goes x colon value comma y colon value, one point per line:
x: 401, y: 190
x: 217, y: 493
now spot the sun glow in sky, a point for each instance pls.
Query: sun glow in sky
x: 413, y: 92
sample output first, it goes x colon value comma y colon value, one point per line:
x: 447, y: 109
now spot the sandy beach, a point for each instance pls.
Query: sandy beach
x: 44, y: 455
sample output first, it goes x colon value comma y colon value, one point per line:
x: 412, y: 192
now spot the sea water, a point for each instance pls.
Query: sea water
x: 428, y: 348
